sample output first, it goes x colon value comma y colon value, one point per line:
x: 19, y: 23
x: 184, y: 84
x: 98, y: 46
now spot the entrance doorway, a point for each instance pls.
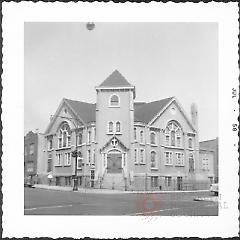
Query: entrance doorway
x: 179, y: 183
x: 114, y: 163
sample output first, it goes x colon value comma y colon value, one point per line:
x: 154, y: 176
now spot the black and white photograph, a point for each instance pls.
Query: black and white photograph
x: 123, y: 118
x: 128, y: 108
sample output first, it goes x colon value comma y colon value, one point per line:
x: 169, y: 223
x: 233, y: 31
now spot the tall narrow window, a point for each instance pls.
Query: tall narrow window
x: 118, y: 127
x: 172, y: 138
x: 89, y: 136
x: 141, y: 136
x: 50, y: 143
x: 135, y: 156
x: 80, y: 138
x: 153, y: 138
x: 94, y: 157
x: 110, y: 127
x: 89, y: 156
x: 31, y: 149
x: 94, y: 134
x: 142, y: 156
x: 153, y: 160
x: 191, y: 163
x: 135, y: 134
x: 190, y: 143
x: 114, y: 101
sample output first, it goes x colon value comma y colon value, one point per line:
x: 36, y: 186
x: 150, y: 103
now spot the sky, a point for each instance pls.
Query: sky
x: 65, y: 60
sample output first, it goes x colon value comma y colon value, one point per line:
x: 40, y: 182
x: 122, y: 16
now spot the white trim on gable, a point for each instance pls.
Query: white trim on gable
x: 56, y: 115
x: 179, y: 107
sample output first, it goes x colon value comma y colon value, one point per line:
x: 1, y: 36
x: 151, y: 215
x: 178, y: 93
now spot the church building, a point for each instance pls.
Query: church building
x: 124, y: 144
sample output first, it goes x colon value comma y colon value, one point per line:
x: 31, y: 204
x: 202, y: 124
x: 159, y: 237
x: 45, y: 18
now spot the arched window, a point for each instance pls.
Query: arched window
x: 173, y: 134
x: 118, y: 127
x: 191, y: 162
x: 153, y: 138
x: 153, y: 160
x: 64, y: 136
x: 110, y: 127
x: 114, y: 100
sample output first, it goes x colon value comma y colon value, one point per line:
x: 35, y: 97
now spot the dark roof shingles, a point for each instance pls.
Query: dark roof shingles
x: 116, y: 79
x: 86, y: 111
x: 143, y: 112
x: 146, y: 112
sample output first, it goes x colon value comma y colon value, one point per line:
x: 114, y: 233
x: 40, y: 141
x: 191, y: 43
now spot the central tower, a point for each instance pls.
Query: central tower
x: 114, y: 124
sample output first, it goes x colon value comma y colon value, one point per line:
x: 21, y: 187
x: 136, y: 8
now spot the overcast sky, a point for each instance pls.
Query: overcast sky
x: 65, y: 60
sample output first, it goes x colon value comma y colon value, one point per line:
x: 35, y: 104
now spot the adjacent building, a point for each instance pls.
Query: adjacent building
x: 33, y: 156
x: 124, y: 144
x: 210, y: 147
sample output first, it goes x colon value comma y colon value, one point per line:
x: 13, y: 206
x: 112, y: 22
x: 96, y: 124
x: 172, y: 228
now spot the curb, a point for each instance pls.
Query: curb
x: 109, y: 191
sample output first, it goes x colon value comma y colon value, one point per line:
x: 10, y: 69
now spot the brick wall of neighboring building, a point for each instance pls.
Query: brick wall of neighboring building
x: 212, y: 145
x: 33, y: 156
x: 30, y: 155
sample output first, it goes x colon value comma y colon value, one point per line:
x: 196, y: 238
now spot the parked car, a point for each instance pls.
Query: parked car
x: 28, y: 182
x: 214, y: 188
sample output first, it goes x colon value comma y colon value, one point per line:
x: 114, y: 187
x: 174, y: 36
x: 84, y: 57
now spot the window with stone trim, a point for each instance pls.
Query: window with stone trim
x: 135, y: 134
x: 173, y: 134
x: 110, y: 127
x: 142, y: 136
x: 179, y: 159
x: 142, y: 156
x: 168, y: 158
x: 153, y: 159
x: 190, y: 143
x: 118, y: 127
x: 114, y: 101
x: 154, y: 181
x: 191, y: 162
x: 64, y: 136
x: 153, y: 138
x: 135, y: 156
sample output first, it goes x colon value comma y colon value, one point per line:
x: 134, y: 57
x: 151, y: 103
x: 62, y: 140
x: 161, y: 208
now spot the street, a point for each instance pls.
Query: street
x: 51, y: 202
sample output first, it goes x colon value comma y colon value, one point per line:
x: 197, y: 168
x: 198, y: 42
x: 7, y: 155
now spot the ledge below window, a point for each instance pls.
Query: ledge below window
x: 154, y: 168
x: 64, y: 148
x: 153, y: 145
x: 173, y: 147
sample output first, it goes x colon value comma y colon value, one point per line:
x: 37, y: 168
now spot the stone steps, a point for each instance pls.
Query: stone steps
x: 113, y: 181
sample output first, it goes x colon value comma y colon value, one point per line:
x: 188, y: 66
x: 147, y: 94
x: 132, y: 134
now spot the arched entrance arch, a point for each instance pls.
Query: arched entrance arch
x: 114, y: 161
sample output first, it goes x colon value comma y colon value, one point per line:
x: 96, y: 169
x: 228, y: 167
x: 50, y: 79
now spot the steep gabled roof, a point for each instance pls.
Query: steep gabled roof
x: 86, y: 111
x: 116, y: 79
x: 146, y: 112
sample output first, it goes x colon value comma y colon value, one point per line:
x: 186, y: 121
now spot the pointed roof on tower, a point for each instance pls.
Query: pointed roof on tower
x: 116, y: 79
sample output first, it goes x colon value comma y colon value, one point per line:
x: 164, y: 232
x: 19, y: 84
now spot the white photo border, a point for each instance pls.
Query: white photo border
x: 15, y: 224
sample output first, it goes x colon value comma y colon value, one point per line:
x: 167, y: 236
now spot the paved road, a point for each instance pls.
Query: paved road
x: 50, y: 202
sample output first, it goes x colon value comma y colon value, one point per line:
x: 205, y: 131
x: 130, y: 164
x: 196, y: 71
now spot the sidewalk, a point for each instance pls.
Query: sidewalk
x: 108, y: 191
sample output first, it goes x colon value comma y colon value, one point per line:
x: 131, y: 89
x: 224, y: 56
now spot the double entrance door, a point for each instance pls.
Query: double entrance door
x: 114, y: 163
